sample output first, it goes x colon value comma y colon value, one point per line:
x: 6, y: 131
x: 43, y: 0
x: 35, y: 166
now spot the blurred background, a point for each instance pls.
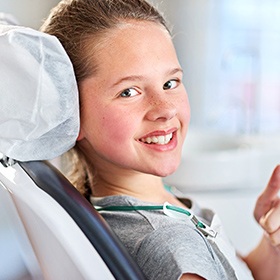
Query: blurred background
x: 229, y: 51
x: 30, y: 13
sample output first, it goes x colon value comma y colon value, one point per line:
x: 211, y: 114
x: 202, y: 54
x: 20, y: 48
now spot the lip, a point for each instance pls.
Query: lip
x: 162, y: 148
x: 160, y: 132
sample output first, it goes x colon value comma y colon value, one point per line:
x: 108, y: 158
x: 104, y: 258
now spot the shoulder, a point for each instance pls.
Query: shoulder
x: 178, y: 249
x: 165, y: 248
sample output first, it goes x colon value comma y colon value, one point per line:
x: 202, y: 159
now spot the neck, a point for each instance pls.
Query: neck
x: 138, y: 185
x: 145, y: 187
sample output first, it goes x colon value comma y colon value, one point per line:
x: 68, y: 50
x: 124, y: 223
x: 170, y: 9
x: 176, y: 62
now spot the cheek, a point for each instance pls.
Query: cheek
x: 116, y: 126
x: 185, y: 110
x: 116, y: 137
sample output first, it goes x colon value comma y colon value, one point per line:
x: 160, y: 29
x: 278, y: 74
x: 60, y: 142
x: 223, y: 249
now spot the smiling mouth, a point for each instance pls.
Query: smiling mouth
x: 160, y: 140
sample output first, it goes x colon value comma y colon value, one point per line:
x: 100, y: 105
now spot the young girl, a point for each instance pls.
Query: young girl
x: 134, y: 118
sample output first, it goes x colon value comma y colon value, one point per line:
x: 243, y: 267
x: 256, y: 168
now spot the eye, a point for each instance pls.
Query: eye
x: 129, y: 92
x: 170, y: 84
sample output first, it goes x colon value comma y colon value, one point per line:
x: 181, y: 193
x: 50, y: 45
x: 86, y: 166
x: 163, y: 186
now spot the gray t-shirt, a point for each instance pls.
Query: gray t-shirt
x: 164, y: 247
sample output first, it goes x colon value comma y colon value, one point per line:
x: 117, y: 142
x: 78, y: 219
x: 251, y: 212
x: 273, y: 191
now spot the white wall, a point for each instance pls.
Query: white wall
x: 28, y: 12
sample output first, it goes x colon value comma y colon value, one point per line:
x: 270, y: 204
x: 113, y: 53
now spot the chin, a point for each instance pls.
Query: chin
x: 166, y: 171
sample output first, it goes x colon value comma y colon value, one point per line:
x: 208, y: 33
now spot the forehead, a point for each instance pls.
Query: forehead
x: 133, y: 41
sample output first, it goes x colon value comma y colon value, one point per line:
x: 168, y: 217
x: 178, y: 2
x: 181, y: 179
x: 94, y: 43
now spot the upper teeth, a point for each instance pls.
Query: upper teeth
x: 162, y: 139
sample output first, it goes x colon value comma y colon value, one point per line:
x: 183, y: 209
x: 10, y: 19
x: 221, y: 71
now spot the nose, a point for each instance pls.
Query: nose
x: 161, y: 109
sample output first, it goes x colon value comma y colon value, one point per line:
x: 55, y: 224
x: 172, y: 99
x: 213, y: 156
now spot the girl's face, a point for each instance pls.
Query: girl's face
x: 134, y: 109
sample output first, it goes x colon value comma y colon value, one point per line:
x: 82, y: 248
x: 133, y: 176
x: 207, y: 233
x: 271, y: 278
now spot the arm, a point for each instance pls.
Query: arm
x: 264, y: 260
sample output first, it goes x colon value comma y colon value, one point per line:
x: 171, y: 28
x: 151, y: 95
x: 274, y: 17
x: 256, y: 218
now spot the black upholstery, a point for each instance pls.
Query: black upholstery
x: 111, y: 250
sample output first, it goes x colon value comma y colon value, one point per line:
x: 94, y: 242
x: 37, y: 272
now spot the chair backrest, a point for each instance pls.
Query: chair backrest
x: 39, y: 120
x: 69, y: 238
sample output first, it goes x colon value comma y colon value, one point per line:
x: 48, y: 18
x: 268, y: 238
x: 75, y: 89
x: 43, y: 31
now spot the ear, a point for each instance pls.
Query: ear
x: 81, y: 135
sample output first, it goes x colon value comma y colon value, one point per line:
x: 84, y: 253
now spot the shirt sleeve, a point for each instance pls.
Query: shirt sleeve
x: 167, y: 253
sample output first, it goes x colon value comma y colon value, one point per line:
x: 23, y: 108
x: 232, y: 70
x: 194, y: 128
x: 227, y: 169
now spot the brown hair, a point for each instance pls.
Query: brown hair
x: 76, y: 23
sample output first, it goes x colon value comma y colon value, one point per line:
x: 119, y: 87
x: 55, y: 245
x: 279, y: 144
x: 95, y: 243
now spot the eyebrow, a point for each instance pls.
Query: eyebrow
x: 175, y: 70
x: 139, y: 77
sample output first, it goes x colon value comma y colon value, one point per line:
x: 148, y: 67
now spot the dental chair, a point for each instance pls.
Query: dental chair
x: 39, y: 120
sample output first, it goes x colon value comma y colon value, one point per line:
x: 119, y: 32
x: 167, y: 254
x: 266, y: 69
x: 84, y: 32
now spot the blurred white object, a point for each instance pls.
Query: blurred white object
x: 15, y: 245
x: 215, y: 161
x: 268, y: 155
x: 32, y: 124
